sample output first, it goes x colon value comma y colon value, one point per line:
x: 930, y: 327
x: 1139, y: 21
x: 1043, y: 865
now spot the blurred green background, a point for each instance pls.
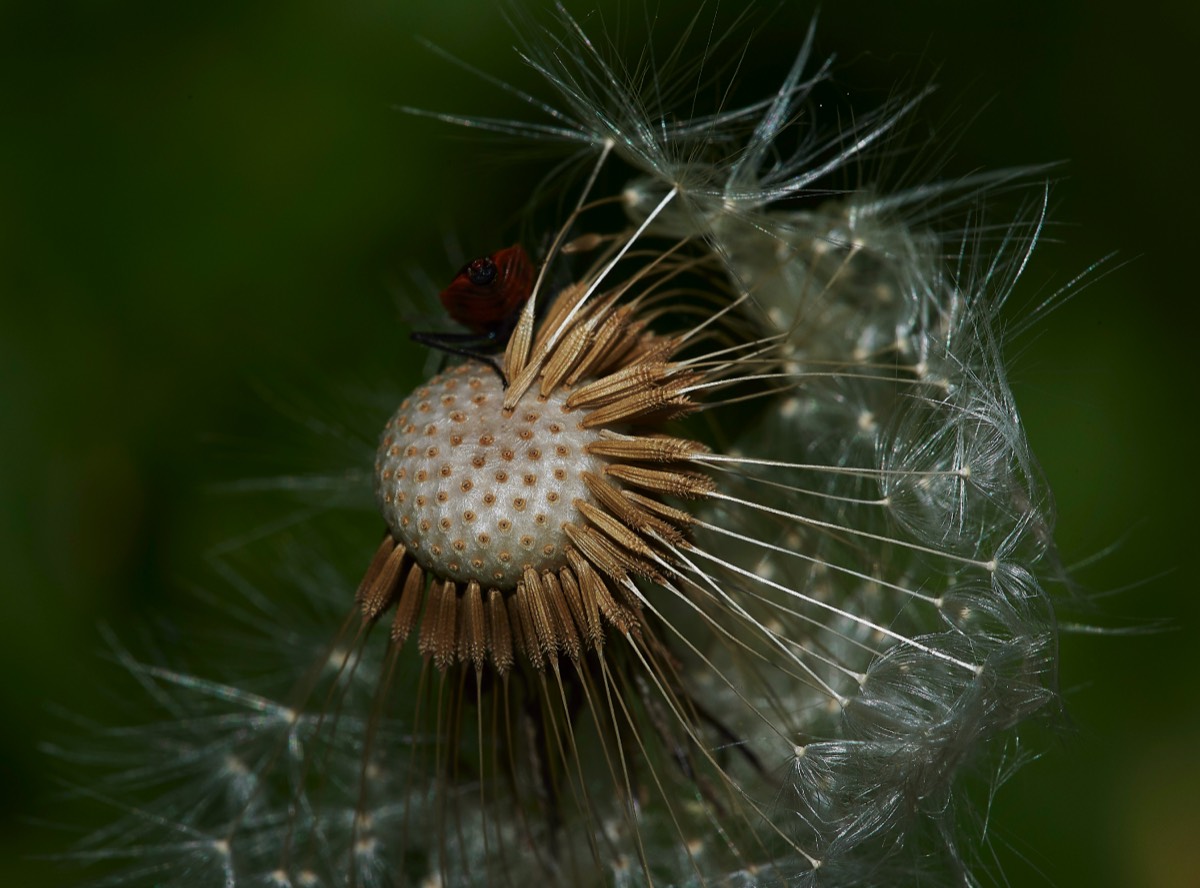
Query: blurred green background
x: 201, y: 201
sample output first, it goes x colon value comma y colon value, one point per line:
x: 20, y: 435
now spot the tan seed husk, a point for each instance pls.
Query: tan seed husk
x: 411, y: 597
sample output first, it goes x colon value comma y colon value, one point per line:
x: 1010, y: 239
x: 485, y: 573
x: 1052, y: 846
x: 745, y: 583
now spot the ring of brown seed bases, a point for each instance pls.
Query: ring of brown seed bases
x: 517, y: 517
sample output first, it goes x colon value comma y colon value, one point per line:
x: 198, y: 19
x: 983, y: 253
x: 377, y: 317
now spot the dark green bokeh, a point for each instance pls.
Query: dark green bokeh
x: 197, y: 198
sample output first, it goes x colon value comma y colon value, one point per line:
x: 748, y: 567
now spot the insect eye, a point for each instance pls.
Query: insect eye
x: 482, y: 271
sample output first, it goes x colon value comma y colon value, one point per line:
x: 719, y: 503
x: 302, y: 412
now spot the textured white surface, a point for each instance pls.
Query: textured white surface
x: 475, y: 494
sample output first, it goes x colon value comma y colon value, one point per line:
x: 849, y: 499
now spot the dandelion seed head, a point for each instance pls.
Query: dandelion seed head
x: 525, y: 509
x: 738, y: 648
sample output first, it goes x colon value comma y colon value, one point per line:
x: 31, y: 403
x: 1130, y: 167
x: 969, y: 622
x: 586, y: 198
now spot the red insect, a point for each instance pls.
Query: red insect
x: 486, y: 297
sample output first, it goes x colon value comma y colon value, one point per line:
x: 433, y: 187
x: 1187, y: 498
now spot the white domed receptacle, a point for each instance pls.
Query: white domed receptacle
x: 475, y: 493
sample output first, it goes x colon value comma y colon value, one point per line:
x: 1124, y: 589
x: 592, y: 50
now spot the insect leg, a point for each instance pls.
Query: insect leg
x: 465, y: 344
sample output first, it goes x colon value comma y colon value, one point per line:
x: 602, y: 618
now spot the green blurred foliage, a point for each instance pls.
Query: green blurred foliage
x: 199, y: 202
